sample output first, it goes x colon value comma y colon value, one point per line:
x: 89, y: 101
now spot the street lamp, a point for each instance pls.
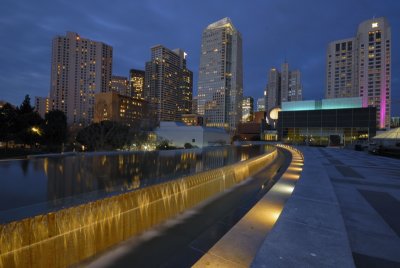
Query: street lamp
x: 36, y: 130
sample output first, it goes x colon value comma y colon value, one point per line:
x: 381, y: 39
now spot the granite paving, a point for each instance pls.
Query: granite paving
x: 344, y: 212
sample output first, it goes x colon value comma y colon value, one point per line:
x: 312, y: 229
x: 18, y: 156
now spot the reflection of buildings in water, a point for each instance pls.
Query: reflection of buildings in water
x: 77, y: 175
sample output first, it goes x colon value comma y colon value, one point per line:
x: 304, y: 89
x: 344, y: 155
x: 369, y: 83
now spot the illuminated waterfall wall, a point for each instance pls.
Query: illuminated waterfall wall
x: 67, y: 236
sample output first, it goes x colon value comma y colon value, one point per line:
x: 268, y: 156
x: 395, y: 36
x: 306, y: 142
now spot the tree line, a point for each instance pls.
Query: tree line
x: 22, y: 126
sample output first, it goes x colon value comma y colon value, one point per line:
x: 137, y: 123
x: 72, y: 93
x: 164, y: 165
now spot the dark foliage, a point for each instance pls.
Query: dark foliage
x: 106, y: 135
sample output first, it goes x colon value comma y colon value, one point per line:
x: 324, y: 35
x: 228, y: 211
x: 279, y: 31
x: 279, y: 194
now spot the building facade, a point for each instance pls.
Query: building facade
x: 168, y: 84
x: 194, y: 105
x: 220, y: 85
x: 119, y: 85
x: 119, y: 108
x: 136, y: 83
x: 260, y: 104
x: 282, y: 86
x: 80, y: 68
x: 192, y: 119
x: 273, y: 93
x: 247, y: 109
x: 326, y: 122
x: 361, y: 66
x: 42, y: 105
x: 341, y: 65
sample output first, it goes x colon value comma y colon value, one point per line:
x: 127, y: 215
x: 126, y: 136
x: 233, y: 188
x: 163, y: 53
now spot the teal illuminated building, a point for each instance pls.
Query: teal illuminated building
x: 325, y: 104
x: 338, y: 121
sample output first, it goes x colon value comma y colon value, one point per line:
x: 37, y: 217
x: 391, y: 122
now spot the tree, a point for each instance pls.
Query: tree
x: 106, y: 135
x: 8, y: 115
x: 26, y: 106
x: 140, y: 138
x: 163, y: 144
x: 27, y: 123
x: 55, y: 128
x: 188, y: 145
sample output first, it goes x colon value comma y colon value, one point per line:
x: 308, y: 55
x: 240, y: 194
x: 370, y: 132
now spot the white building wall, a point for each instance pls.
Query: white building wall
x: 178, y: 134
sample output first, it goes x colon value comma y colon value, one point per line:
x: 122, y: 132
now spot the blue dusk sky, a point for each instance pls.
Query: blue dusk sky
x: 272, y: 31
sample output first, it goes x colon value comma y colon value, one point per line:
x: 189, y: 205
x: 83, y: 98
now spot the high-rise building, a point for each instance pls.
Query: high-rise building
x: 273, y: 92
x: 374, y: 67
x: 340, y: 65
x: 119, y: 85
x: 168, y: 84
x: 247, y: 109
x: 79, y: 68
x: 194, y: 105
x: 282, y: 86
x: 260, y: 104
x: 42, y: 105
x: 185, y: 86
x: 220, y: 85
x: 136, y: 83
x: 361, y: 66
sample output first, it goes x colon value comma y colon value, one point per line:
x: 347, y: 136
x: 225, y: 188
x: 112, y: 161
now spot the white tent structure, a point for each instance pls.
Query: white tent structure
x: 388, y: 138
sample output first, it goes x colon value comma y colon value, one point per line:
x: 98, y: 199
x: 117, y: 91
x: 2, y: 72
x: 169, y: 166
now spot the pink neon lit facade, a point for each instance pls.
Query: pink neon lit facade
x: 361, y: 66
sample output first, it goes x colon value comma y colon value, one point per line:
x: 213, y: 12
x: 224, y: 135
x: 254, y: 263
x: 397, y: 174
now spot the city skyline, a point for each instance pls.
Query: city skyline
x: 264, y: 27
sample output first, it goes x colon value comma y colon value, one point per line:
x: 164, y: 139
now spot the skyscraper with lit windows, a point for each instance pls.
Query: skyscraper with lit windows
x: 361, y: 66
x: 220, y: 84
x: 80, y: 68
x: 282, y: 86
x: 136, y: 83
x: 168, y: 84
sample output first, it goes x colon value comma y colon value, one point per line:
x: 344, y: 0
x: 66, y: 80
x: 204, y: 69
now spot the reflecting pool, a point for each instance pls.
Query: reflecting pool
x: 38, y: 185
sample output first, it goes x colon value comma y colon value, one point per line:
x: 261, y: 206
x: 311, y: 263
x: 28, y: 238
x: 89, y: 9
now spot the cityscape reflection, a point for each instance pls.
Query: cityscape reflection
x: 43, y: 184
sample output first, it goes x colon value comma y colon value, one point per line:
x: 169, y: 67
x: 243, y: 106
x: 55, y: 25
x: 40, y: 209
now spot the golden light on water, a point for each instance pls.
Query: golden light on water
x: 67, y: 236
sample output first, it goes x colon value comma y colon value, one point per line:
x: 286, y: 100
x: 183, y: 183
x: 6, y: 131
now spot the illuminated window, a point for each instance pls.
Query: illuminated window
x: 374, y: 25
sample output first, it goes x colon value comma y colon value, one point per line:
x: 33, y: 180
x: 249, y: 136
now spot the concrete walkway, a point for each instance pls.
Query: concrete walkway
x: 238, y: 247
x: 344, y: 212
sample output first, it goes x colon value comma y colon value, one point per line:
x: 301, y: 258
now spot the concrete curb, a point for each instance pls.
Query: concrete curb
x: 310, y: 232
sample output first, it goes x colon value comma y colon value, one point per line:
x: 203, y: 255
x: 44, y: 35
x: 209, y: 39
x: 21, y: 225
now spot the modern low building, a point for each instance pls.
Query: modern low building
x: 177, y: 133
x: 250, y: 131
x: 254, y: 129
x: 386, y: 143
x: 123, y: 109
x: 326, y: 122
x: 395, y: 122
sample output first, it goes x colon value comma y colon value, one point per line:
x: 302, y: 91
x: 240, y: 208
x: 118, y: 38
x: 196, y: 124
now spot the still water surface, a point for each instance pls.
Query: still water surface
x: 33, y: 186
